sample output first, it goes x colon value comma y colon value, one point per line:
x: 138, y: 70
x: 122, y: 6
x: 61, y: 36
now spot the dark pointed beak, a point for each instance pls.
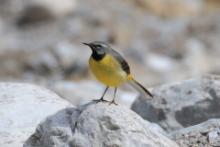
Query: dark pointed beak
x: 88, y: 44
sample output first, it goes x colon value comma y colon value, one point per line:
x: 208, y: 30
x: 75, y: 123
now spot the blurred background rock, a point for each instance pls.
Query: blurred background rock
x: 163, y: 40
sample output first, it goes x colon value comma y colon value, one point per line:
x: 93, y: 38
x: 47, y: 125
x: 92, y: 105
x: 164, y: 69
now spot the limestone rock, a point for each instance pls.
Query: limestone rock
x: 22, y: 107
x: 182, y: 104
x: 96, y: 125
x: 206, y: 134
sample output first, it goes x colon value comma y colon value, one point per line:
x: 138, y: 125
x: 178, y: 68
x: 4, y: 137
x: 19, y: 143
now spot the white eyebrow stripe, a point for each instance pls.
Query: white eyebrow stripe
x: 102, y: 45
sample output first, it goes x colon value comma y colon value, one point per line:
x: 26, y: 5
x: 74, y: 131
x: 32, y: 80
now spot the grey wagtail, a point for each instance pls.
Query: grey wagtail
x: 110, y: 68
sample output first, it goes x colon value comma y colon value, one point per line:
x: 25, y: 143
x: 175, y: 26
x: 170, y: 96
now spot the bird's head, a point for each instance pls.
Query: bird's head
x: 99, y: 49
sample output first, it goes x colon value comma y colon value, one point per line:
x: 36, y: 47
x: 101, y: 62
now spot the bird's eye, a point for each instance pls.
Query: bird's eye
x: 98, y: 46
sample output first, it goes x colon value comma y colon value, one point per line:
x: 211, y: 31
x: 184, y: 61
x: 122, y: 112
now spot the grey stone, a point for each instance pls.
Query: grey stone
x: 206, y: 134
x: 97, y: 125
x: 22, y: 107
x: 214, y: 137
x: 182, y: 104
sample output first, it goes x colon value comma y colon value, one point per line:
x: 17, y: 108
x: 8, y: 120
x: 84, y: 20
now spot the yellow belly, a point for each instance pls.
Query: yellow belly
x: 108, y: 71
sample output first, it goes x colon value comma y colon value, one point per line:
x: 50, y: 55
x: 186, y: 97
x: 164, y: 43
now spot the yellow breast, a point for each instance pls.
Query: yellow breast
x: 108, y: 71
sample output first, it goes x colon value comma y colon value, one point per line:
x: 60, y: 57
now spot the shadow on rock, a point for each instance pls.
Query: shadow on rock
x: 96, y: 125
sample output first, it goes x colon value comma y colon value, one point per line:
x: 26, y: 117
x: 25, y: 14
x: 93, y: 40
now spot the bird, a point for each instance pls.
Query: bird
x: 111, y: 69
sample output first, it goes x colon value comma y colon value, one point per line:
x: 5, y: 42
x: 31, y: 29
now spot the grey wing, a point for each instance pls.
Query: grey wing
x: 121, y: 60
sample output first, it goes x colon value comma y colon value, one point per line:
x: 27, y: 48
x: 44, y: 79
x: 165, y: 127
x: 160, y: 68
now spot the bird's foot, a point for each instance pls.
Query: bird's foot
x: 113, y: 102
x: 100, y: 100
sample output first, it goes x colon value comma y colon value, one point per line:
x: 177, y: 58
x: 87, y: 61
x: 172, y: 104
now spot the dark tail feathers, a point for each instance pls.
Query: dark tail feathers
x: 140, y: 88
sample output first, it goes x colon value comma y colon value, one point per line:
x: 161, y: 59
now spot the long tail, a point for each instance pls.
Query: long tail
x: 136, y: 85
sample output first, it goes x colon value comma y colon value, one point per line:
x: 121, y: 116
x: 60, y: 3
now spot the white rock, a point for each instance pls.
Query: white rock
x: 97, y: 125
x: 214, y: 137
x: 22, y: 107
x: 206, y: 134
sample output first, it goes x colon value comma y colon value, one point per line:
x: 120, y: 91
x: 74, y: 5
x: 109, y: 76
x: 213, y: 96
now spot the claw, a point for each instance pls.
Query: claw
x: 100, y: 100
x: 113, y: 102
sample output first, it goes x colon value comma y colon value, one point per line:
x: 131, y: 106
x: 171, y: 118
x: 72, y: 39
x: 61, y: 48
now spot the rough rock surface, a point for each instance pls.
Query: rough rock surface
x: 206, y: 134
x: 22, y: 107
x: 182, y: 104
x: 96, y: 125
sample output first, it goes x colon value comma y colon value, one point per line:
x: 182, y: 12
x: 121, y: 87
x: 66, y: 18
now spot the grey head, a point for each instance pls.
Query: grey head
x: 99, y: 49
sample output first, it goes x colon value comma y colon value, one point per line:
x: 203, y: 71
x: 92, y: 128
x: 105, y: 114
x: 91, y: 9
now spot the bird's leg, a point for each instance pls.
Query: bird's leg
x: 102, y: 98
x: 113, y: 101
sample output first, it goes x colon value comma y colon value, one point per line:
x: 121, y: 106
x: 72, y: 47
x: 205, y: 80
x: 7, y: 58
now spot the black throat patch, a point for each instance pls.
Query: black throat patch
x: 97, y: 56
